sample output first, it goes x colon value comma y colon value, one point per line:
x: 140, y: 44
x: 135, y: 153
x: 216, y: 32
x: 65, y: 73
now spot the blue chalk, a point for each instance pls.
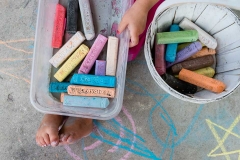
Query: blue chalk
x: 94, y: 80
x: 171, y: 50
x: 92, y: 102
x: 58, y: 87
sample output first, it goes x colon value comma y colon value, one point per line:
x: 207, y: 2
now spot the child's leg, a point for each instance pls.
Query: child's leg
x: 47, y: 133
x: 75, y: 129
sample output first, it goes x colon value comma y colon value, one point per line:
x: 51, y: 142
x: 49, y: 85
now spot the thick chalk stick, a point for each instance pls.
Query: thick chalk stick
x: 204, y: 37
x: 204, y: 52
x: 183, y: 45
x: 93, y: 80
x: 177, y: 37
x: 71, y: 63
x: 91, y: 91
x: 93, y: 54
x: 186, y: 53
x: 100, y: 68
x: 58, y: 29
x: 178, y: 85
x: 171, y: 50
x: 160, y: 63
x: 86, y: 102
x: 194, y: 64
x: 87, y: 20
x: 202, y: 81
x: 208, y: 71
x: 72, y: 16
x: 57, y: 87
x: 67, y: 49
x: 112, y: 53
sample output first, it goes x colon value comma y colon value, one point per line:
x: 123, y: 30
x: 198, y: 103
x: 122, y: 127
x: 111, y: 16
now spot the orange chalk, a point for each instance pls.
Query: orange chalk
x: 202, y: 81
x: 204, y: 52
x: 88, y: 91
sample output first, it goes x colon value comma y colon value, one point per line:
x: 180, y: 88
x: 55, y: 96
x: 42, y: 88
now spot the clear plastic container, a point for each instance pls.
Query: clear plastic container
x: 171, y: 11
x: 106, y: 15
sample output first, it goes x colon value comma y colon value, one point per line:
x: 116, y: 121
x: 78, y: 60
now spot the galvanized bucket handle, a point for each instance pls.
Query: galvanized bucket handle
x: 234, y: 4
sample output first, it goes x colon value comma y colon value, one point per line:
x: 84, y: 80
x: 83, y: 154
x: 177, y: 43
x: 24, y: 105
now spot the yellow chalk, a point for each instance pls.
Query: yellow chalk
x: 71, y: 63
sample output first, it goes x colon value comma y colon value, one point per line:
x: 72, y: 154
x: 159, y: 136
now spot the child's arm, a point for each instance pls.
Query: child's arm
x: 135, y: 19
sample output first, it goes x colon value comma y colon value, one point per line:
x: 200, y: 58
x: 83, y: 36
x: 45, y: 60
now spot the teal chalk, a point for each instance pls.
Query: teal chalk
x: 92, y: 102
x: 58, y: 87
x: 94, y: 80
x: 171, y: 50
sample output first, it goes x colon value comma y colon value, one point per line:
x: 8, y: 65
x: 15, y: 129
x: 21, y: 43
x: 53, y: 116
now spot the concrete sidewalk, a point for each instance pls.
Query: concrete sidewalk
x: 152, y: 124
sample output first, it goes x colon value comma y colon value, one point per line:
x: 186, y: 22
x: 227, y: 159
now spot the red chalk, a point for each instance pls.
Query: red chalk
x: 59, y: 26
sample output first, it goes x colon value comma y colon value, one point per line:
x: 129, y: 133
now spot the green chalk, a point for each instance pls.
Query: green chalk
x: 177, y: 37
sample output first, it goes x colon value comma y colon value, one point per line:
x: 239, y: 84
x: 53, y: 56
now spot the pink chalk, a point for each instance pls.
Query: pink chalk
x: 59, y: 26
x: 100, y: 68
x: 93, y: 54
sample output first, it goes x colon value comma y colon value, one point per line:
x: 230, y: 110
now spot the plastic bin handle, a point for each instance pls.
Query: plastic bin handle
x: 234, y: 4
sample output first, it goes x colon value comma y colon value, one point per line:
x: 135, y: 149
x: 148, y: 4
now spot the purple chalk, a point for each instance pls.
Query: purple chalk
x: 93, y: 54
x: 185, y: 53
x: 100, y: 68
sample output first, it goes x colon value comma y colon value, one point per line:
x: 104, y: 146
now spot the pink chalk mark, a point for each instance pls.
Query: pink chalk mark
x: 115, y: 148
x: 98, y: 143
x: 73, y: 155
x: 129, y: 116
x: 93, y: 146
x: 114, y: 29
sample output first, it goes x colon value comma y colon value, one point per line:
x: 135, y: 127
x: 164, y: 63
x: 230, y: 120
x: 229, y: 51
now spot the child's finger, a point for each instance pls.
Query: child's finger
x: 123, y: 24
x: 134, y: 39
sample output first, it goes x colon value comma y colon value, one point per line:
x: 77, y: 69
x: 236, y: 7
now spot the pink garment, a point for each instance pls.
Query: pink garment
x: 133, y: 52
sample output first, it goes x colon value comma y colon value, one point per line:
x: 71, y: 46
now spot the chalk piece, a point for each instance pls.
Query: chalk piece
x: 178, y: 85
x: 208, y: 71
x: 202, y: 81
x: 57, y: 87
x: 87, y: 20
x: 204, y: 52
x: 91, y: 91
x: 160, y: 63
x: 67, y: 49
x: 204, y: 37
x: 72, y: 16
x: 177, y: 37
x: 183, y: 45
x: 93, y: 80
x: 186, y: 53
x: 194, y: 64
x: 112, y: 53
x: 171, y: 50
x: 93, y: 54
x: 58, y: 29
x: 62, y: 97
x: 71, y: 63
x: 87, y: 102
x: 100, y: 68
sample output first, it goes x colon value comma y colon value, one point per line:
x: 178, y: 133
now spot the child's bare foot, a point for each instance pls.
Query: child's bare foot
x: 74, y: 129
x: 47, y: 133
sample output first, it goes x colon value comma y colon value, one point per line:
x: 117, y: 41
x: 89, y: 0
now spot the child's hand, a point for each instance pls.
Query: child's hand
x: 135, y: 20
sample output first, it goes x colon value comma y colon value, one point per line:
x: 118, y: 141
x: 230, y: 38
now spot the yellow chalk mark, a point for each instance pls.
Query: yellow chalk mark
x: 19, y: 40
x: 221, y: 141
x: 14, y: 76
x: 5, y: 43
x: 12, y: 59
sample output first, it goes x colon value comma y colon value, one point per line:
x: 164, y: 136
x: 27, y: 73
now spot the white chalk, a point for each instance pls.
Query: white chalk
x: 87, y: 20
x: 204, y: 37
x: 112, y: 53
x: 67, y: 49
